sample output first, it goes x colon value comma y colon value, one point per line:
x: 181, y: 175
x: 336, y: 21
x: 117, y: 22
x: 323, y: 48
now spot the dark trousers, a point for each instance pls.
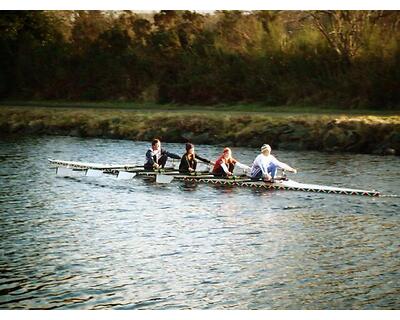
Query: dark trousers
x: 161, y: 162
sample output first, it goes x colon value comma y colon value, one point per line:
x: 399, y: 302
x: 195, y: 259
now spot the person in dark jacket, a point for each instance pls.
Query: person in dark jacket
x: 156, y: 157
x: 189, y: 160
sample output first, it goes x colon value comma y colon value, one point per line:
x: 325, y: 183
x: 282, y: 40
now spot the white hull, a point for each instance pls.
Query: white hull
x: 128, y: 171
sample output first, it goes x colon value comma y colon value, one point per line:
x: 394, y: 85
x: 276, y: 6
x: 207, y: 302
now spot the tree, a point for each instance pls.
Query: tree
x: 345, y: 30
x: 25, y: 37
x: 88, y: 25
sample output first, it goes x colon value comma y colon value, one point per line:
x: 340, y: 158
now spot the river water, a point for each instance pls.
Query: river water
x: 102, y: 243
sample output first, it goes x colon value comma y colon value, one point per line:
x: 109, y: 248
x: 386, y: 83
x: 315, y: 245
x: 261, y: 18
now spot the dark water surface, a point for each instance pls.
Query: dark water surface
x: 102, y: 243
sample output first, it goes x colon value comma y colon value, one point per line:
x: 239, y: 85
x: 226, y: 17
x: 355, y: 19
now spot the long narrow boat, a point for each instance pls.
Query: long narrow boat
x: 129, y: 171
x: 284, y: 184
x: 278, y: 184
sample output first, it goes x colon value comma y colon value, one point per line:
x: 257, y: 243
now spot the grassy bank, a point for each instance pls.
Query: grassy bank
x: 238, y: 126
x: 241, y: 108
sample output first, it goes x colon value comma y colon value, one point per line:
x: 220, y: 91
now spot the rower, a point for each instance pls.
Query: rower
x: 189, y: 160
x: 225, y: 164
x: 156, y: 158
x: 266, y: 165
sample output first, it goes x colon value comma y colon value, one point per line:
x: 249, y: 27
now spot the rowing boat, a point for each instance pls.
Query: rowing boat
x: 72, y: 168
x: 279, y: 184
x: 283, y: 184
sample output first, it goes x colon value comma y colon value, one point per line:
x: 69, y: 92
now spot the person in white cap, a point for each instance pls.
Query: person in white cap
x: 265, y: 165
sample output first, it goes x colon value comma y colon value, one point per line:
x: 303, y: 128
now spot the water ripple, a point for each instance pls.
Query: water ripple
x: 78, y: 243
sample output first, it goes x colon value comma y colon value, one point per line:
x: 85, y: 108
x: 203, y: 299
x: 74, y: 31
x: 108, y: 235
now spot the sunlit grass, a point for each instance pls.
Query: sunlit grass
x: 242, y: 108
x: 290, y: 130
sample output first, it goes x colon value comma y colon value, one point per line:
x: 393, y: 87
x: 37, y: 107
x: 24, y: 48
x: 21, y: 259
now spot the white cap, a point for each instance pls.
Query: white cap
x: 265, y: 146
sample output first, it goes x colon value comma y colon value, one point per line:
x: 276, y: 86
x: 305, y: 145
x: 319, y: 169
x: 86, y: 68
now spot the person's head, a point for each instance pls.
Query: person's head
x: 156, y: 144
x: 189, y: 148
x: 266, y: 149
x: 227, y: 153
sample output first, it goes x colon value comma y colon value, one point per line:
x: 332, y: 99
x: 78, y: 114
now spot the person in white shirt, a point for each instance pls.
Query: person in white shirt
x: 265, y: 165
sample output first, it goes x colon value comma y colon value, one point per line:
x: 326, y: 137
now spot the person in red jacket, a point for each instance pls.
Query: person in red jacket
x: 225, y: 164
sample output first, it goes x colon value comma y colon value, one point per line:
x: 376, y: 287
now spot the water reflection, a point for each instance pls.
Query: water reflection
x: 188, y: 186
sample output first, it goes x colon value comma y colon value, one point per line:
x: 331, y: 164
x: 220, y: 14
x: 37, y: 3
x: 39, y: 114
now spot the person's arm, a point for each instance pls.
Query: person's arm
x: 242, y: 166
x: 202, y: 159
x: 171, y: 155
x: 265, y: 174
x: 264, y: 169
x: 225, y: 168
x: 282, y: 165
x: 149, y: 157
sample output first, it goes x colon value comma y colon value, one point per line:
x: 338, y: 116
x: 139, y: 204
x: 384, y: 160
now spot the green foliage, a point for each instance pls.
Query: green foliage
x: 344, y: 58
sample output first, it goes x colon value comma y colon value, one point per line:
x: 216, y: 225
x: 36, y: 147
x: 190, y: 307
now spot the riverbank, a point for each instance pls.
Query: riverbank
x: 290, y: 129
x: 216, y: 108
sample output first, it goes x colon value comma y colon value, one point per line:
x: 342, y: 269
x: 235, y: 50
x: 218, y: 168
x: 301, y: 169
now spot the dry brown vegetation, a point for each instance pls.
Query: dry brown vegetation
x: 351, y: 133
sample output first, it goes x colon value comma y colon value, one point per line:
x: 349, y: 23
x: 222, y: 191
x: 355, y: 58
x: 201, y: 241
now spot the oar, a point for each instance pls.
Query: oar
x: 121, y: 175
x: 94, y: 173
x: 124, y: 175
x: 69, y: 172
x: 163, y: 178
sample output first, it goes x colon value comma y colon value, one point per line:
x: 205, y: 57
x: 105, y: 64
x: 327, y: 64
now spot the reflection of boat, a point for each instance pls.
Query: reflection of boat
x: 72, y: 168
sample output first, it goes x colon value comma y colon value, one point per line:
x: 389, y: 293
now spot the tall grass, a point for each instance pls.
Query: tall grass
x: 351, y: 133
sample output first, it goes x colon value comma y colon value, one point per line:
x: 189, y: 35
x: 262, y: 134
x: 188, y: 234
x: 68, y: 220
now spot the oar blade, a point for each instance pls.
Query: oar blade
x: 68, y: 172
x: 94, y: 173
x: 124, y: 175
x: 163, y: 178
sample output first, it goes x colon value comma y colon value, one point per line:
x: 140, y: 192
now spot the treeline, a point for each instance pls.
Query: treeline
x: 342, y: 58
